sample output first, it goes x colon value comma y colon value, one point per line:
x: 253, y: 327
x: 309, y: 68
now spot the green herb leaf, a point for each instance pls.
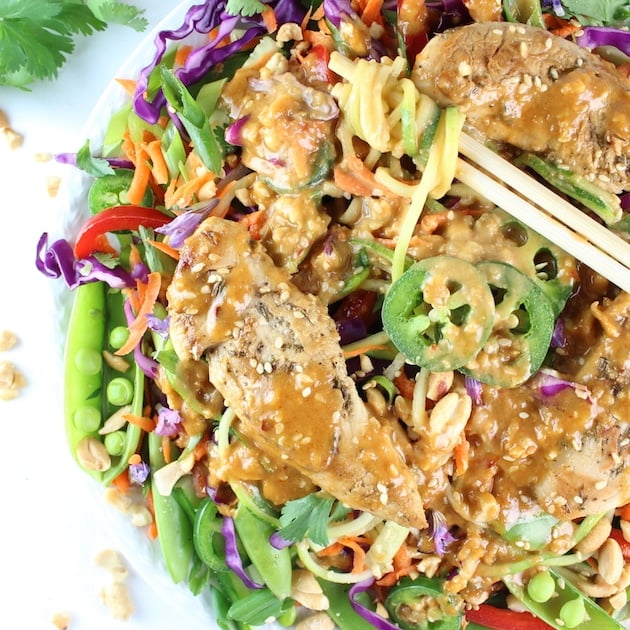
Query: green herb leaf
x: 194, y: 119
x: 97, y: 167
x: 244, y: 7
x: 118, y: 13
x: 306, y: 517
x: 258, y: 607
x: 37, y: 37
x: 594, y: 12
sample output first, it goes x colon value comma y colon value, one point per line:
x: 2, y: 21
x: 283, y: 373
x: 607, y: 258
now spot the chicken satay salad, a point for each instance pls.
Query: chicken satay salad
x: 335, y: 384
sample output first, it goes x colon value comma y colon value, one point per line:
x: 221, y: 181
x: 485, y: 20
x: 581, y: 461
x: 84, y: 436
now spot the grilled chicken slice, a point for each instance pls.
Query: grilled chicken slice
x: 568, y: 450
x: 521, y: 85
x: 274, y: 355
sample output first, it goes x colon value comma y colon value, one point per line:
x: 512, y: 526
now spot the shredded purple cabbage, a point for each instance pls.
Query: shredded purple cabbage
x: 351, y: 330
x: 158, y: 325
x: 380, y: 623
x: 139, y: 473
x: 595, y: 36
x: 558, y: 337
x: 168, y: 423
x: 203, y: 18
x: 233, y: 132
x: 279, y: 542
x: 181, y: 227
x: 71, y: 159
x: 474, y: 389
x: 440, y: 533
x: 232, y: 556
x: 549, y: 385
x: 58, y: 260
x: 148, y: 365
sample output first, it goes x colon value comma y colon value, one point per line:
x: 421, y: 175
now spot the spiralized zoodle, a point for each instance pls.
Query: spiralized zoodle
x: 326, y: 376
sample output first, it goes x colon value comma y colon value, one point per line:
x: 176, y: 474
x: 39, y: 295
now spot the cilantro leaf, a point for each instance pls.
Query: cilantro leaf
x: 97, y: 167
x: 306, y: 517
x: 246, y: 8
x: 595, y: 12
x: 118, y: 13
x: 37, y: 36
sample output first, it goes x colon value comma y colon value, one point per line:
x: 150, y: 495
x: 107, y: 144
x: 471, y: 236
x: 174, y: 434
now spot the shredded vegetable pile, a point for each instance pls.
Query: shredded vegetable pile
x: 333, y: 383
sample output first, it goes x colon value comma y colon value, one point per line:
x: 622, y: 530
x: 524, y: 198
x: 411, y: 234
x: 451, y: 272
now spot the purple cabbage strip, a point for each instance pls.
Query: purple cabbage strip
x: 474, y: 389
x: 71, y: 159
x: 232, y: 556
x: 168, y: 422
x: 625, y: 201
x: 139, y: 473
x: 440, y: 533
x: 279, y: 542
x: 203, y: 18
x: 380, y: 623
x: 148, y: 365
x: 595, y: 36
x: 181, y: 227
x: 58, y: 260
x: 233, y: 131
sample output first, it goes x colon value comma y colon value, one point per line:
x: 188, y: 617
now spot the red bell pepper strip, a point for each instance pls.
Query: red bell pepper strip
x: 617, y: 535
x: 114, y: 219
x: 505, y: 619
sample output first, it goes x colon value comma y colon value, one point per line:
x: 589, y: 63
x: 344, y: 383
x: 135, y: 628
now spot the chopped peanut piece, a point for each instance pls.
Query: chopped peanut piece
x: 11, y: 381
x: 61, y: 620
x: 8, y: 340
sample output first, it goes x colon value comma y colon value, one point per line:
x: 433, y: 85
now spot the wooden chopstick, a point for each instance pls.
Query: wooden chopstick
x: 558, y: 220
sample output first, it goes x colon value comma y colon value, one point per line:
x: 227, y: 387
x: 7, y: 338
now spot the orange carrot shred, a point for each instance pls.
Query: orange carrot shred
x: 138, y: 327
x: 135, y: 459
x: 269, y: 18
x: 165, y: 248
x: 129, y: 85
x: 140, y: 180
x: 460, y: 455
x: 122, y: 482
x: 348, y: 354
x: 166, y: 449
x: 159, y: 168
x: 182, y: 54
x: 146, y: 424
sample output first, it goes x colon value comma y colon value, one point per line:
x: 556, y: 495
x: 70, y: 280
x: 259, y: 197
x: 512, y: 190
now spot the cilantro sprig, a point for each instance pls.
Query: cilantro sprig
x: 37, y: 36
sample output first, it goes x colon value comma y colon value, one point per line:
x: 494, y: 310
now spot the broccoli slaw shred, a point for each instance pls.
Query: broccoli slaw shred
x: 328, y: 378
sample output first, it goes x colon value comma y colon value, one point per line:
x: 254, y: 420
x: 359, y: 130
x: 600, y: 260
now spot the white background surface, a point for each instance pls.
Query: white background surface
x: 53, y: 521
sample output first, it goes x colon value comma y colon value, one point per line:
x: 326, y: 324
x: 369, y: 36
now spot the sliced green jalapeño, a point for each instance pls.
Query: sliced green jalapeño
x: 522, y: 329
x: 439, y: 313
x: 111, y: 190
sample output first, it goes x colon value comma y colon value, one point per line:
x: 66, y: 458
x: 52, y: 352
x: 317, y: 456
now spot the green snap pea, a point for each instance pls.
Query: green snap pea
x: 565, y: 594
x: 175, y: 532
x: 115, y: 443
x: 541, y: 587
x: 119, y: 391
x: 83, y: 381
x: 273, y: 565
x: 340, y: 609
x: 207, y: 538
x: 118, y: 337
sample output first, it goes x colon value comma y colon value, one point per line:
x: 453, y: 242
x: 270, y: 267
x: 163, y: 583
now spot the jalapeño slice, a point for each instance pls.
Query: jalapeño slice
x: 439, y: 313
x: 522, y: 330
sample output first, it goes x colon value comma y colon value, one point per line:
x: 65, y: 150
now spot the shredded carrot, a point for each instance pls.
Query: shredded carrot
x: 159, y: 168
x: 559, y: 26
x: 141, y: 175
x: 355, y: 544
x: 348, y: 354
x: 182, y: 55
x: 152, y: 530
x: 461, y: 454
x: 405, y: 385
x: 357, y: 179
x: 102, y: 244
x: 624, y: 512
x: 138, y: 327
x: 165, y: 248
x: 372, y: 12
x: 201, y: 449
x: 254, y: 222
x: 135, y: 459
x: 181, y: 194
x: 166, y: 449
x: 146, y: 424
x: 122, y: 482
x: 402, y: 565
x: 269, y: 18
x: 129, y: 85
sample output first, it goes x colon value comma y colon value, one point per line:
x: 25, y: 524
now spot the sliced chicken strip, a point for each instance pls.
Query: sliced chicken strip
x: 274, y: 355
x: 525, y: 87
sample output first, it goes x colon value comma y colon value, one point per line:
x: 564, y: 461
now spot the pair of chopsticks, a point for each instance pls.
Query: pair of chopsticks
x: 544, y: 211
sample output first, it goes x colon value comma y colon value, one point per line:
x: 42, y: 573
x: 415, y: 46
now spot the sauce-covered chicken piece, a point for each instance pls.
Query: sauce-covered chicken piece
x: 273, y: 353
x: 525, y: 87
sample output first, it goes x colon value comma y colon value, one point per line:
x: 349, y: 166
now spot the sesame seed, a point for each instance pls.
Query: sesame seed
x: 278, y: 342
x: 523, y: 414
x: 268, y: 367
x: 298, y: 314
x: 197, y: 267
x: 306, y: 392
x: 601, y: 484
x: 579, y: 500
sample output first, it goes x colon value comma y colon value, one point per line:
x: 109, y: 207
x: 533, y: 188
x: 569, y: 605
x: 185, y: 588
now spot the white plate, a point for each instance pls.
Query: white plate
x: 143, y: 555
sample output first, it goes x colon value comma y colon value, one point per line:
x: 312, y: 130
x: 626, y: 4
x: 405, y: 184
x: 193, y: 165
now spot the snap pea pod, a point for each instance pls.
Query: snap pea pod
x: 173, y: 526
x: 83, y: 368
x: 133, y: 431
x: 273, y: 565
x: 340, y: 609
x: 559, y: 611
